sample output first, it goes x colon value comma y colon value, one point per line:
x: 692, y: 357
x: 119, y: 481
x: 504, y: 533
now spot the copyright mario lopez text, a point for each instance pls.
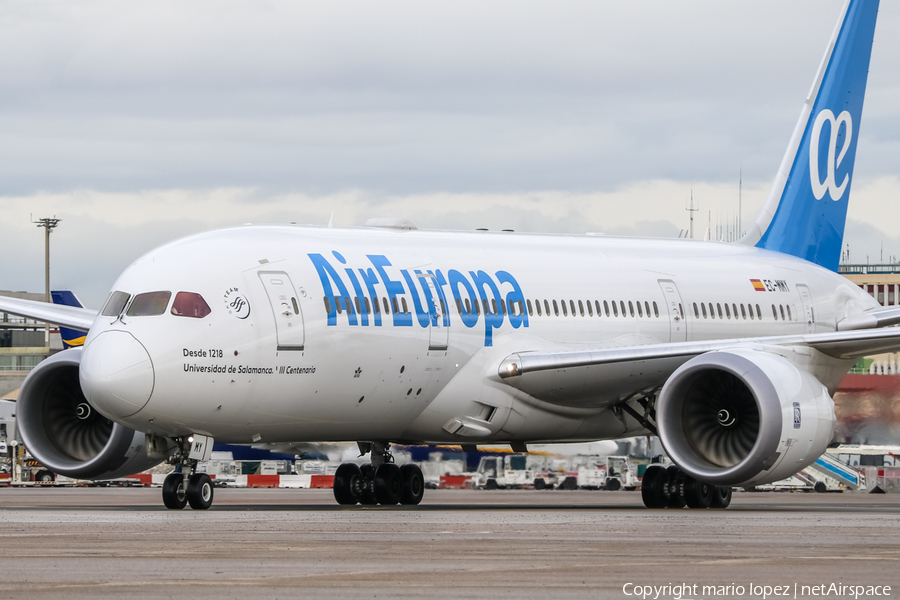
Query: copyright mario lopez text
x: 687, y: 591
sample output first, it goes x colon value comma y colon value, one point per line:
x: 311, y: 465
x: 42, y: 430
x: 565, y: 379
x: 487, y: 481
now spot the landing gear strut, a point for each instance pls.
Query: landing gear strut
x: 670, y: 487
x: 186, y: 486
x: 381, y: 482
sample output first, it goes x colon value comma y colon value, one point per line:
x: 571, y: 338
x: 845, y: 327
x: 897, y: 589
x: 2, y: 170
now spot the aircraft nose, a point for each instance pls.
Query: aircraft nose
x: 116, y: 374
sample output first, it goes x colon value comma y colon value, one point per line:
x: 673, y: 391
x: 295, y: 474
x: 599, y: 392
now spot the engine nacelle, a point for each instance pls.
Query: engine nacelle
x: 742, y: 417
x: 64, y: 432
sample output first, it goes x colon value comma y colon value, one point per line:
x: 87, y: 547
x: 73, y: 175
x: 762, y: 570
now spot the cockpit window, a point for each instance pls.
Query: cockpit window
x: 115, y: 303
x: 189, y: 304
x: 149, y: 304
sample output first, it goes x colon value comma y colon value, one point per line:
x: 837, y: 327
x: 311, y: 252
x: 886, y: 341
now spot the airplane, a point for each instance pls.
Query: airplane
x: 387, y: 334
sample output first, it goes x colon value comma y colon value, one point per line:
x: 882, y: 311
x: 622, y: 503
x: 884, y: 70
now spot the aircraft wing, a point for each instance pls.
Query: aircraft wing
x: 880, y: 317
x: 67, y: 316
x: 572, y: 378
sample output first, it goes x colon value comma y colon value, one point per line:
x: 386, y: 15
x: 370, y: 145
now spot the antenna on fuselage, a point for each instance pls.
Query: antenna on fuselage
x: 331, y: 220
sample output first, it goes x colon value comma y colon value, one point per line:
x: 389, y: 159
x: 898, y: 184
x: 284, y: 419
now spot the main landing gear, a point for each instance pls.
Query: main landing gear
x: 186, y: 486
x: 381, y: 482
x: 669, y: 487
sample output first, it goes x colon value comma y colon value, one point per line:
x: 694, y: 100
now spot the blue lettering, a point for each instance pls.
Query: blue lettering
x: 493, y: 319
x: 469, y: 319
x: 327, y: 274
x: 392, y: 288
x: 370, y: 279
x: 422, y: 316
x: 363, y: 313
x: 516, y: 298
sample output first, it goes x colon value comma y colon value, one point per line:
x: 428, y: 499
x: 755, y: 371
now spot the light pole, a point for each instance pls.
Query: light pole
x: 49, y: 225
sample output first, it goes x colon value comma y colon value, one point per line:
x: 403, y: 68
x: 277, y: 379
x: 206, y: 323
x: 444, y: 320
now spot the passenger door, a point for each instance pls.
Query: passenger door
x: 285, y: 309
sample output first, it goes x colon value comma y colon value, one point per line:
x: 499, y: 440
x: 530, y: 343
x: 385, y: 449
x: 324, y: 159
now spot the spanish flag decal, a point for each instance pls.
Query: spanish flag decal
x: 758, y: 285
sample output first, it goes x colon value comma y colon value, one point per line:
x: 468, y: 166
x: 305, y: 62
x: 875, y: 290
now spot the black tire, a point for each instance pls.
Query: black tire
x: 820, y: 487
x: 697, y: 494
x: 413, y: 484
x: 388, y: 485
x: 44, y: 477
x: 347, y: 481
x: 613, y: 485
x: 491, y: 484
x: 674, y: 499
x: 367, y: 481
x: 540, y: 484
x: 653, y: 487
x: 570, y: 483
x: 174, y: 491
x: 721, y: 496
x: 200, y: 491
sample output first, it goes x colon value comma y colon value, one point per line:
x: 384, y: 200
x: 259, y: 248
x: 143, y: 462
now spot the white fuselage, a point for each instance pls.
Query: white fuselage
x: 260, y: 368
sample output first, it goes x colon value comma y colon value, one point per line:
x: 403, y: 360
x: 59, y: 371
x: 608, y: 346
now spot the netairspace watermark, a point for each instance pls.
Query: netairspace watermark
x: 687, y: 591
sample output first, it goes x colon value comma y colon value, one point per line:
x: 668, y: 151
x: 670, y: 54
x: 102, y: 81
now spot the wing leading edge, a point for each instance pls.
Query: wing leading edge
x: 67, y: 316
x: 573, y: 378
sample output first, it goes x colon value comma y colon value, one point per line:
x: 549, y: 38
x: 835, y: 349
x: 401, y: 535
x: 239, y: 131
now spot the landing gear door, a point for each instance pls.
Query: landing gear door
x: 285, y: 308
x: 677, y: 323
x: 808, y: 311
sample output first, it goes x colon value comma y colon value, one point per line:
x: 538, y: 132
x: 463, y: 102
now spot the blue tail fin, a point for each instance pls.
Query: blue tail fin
x: 70, y: 337
x: 807, y: 207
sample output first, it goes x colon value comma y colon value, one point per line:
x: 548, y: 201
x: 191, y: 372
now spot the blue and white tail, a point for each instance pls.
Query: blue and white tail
x: 71, y: 338
x: 807, y: 208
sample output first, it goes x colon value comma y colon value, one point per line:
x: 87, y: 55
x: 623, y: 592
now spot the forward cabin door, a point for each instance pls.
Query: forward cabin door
x: 677, y: 323
x: 809, y: 312
x: 438, y: 332
x: 285, y: 308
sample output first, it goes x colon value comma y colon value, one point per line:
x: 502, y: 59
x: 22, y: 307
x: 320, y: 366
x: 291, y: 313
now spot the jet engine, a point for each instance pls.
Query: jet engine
x: 741, y: 417
x: 64, y: 432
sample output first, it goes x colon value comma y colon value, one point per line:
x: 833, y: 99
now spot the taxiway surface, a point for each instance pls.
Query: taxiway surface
x: 111, y: 543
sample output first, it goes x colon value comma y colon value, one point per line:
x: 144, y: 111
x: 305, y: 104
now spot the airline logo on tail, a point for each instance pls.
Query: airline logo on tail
x: 830, y: 185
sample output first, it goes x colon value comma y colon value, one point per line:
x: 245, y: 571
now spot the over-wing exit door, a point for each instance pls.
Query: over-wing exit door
x: 285, y: 308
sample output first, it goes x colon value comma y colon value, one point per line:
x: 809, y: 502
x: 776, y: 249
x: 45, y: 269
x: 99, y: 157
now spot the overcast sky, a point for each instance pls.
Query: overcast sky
x: 139, y: 122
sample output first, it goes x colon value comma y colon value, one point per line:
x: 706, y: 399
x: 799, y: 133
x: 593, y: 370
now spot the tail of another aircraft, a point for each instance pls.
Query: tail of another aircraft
x: 807, y: 208
x: 70, y: 337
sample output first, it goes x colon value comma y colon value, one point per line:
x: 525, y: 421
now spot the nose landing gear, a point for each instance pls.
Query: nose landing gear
x: 186, y: 486
x: 381, y: 482
x: 670, y: 487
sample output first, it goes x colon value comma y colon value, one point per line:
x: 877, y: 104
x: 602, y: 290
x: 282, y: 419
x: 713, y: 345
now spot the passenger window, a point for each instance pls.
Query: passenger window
x: 590, y: 308
x: 743, y: 312
x: 580, y: 308
x: 696, y: 311
x: 327, y: 304
x: 680, y: 310
x: 537, y: 307
x: 630, y: 308
x: 149, y: 304
x: 564, y: 309
x: 655, y: 309
x: 703, y: 306
x: 555, y: 308
x: 774, y: 313
x: 494, y: 307
x: 789, y: 312
x: 622, y: 306
x: 476, y: 305
x: 781, y: 306
x: 387, y: 308
x: 758, y: 313
x: 719, y: 306
x: 606, y: 308
x: 640, y: 313
x: 572, y: 304
x: 368, y: 306
x: 403, y: 304
x: 338, y: 303
x: 712, y: 311
x: 293, y: 302
x: 615, y: 309
x: 395, y: 305
x: 530, y: 311
x: 597, y: 306
x: 357, y: 304
x: 115, y: 303
x: 546, y: 308
x: 734, y: 310
x: 468, y: 307
x: 376, y: 306
x: 727, y: 312
x: 647, y: 308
